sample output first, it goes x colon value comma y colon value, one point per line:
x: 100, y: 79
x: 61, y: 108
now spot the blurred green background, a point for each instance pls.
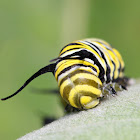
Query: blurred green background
x: 32, y: 32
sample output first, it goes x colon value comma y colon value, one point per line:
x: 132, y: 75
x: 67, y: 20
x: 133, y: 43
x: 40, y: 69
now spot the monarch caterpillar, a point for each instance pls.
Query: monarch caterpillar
x: 86, y: 71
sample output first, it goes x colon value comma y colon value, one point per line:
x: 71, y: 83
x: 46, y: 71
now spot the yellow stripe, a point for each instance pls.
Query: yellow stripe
x: 61, y: 62
x: 68, y: 63
x: 119, y: 56
x: 80, y: 88
x: 65, y: 53
x: 90, y: 70
x: 64, y: 84
x: 70, y: 47
x: 117, y: 64
x: 121, y: 74
x: 88, y: 102
x: 71, y: 95
x: 86, y: 76
x: 85, y: 100
x: 92, y: 104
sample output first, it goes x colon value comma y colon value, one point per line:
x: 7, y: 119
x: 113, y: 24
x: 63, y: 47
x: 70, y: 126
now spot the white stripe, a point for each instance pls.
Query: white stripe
x: 89, y: 60
x: 70, y: 52
x: 87, y: 43
x: 60, y: 77
x: 76, y: 56
x: 107, y: 47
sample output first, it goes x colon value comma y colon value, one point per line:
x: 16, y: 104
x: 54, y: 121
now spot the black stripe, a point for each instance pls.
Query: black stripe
x: 72, y: 66
x: 102, y: 71
x: 69, y: 45
x: 74, y: 73
x: 107, y: 66
x: 114, y: 69
x: 92, y: 47
x: 120, y: 67
x: 70, y: 50
x: 123, y: 69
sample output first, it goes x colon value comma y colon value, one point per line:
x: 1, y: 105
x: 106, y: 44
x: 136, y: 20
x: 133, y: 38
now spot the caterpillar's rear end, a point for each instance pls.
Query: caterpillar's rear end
x: 79, y: 86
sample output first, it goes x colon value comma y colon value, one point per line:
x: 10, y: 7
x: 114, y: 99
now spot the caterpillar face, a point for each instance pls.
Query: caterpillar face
x: 86, y: 70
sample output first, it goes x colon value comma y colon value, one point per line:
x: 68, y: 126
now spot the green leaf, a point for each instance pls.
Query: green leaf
x: 116, y: 118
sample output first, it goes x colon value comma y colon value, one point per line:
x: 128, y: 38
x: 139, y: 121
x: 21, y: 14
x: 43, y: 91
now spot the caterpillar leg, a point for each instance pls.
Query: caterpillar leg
x: 112, y: 88
x: 124, y: 81
x: 108, y: 89
x: 118, y: 86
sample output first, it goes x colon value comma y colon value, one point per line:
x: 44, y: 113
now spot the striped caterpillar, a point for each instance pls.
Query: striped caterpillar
x: 86, y: 71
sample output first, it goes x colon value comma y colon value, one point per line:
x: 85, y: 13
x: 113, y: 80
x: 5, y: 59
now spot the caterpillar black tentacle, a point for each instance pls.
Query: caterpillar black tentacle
x: 86, y: 71
x: 49, y: 68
